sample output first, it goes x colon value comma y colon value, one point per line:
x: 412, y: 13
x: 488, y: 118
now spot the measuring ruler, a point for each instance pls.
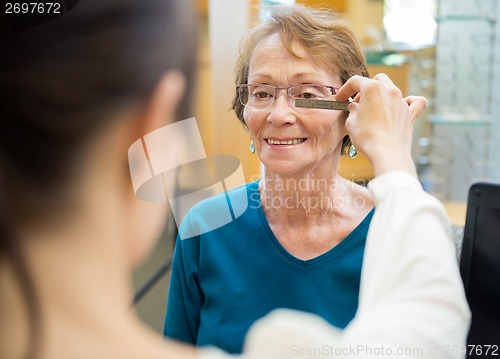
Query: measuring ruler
x: 322, y: 104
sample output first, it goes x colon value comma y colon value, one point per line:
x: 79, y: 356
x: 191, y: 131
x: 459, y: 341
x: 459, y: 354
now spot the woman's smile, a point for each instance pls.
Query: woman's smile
x: 285, y: 142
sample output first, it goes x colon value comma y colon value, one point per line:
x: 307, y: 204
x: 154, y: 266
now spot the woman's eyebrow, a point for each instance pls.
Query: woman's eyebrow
x: 304, y: 74
x: 310, y: 76
x: 261, y: 76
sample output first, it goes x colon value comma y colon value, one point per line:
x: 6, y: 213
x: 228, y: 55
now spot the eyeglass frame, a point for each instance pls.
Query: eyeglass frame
x: 332, y: 89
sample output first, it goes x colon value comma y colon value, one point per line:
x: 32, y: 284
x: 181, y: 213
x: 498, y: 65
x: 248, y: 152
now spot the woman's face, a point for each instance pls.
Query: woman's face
x: 319, y: 133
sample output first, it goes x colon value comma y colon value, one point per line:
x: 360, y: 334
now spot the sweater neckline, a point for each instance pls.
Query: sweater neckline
x: 352, y: 238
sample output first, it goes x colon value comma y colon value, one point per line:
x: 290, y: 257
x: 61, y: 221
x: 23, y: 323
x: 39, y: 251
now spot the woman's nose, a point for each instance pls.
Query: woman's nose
x: 281, y: 111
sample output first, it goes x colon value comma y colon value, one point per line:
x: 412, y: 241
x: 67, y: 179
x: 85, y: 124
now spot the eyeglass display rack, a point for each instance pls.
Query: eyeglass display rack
x: 465, y: 140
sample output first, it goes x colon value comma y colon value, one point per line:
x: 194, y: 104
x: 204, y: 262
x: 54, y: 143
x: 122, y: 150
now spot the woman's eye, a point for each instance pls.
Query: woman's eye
x: 307, y: 95
x: 261, y: 94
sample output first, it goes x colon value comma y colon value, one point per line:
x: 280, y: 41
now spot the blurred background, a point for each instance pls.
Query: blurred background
x: 445, y: 50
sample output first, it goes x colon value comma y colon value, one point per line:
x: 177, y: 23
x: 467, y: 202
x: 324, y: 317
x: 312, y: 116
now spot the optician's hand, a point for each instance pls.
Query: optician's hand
x: 380, y: 121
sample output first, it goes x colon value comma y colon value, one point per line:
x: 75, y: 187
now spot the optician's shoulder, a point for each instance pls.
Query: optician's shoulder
x: 217, y: 211
x: 394, y: 181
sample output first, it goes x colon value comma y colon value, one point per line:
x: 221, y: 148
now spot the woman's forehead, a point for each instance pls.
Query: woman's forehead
x: 273, y: 44
x: 271, y: 58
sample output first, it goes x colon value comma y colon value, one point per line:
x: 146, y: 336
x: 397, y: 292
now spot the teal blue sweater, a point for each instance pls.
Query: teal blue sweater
x: 224, y: 280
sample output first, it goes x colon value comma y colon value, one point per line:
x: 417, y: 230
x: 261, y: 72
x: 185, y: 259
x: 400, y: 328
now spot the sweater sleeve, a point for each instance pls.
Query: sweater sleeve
x: 412, y: 302
x: 185, y: 296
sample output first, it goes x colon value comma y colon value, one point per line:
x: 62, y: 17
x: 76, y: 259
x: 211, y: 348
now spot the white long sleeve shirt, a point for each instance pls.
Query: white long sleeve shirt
x: 412, y: 303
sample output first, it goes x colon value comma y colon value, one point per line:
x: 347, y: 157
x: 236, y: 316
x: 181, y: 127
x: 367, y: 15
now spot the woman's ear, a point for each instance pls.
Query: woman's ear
x: 162, y: 104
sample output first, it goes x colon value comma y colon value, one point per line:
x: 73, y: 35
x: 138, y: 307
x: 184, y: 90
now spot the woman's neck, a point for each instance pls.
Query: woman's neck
x: 81, y: 273
x: 84, y: 293
x: 311, y: 194
x: 81, y: 282
x: 312, y: 213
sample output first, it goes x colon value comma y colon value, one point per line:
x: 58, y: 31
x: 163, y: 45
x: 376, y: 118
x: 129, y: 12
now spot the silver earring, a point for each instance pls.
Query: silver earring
x: 352, y: 152
x: 251, y: 148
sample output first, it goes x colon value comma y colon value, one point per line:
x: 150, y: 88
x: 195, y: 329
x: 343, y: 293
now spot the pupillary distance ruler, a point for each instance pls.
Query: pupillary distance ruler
x: 322, y: 104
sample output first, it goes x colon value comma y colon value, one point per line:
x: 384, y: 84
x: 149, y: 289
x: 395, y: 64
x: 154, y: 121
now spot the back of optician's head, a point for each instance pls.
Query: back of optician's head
x: 65, y: 81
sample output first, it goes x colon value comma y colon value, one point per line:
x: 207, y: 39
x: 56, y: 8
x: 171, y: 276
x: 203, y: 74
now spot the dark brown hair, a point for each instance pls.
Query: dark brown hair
x: 60, y: 83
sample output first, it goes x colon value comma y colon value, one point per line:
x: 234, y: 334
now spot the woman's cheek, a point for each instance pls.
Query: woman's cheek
x: 249, y: 121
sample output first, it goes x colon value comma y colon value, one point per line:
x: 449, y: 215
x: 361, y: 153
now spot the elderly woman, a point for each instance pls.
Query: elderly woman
x: 300, y: 242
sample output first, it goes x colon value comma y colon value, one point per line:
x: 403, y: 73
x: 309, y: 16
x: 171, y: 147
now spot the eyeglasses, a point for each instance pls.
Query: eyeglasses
x: 263, y: 96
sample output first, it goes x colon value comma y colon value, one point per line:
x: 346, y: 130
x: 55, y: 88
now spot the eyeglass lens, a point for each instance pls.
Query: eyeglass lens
x: 261, y: 96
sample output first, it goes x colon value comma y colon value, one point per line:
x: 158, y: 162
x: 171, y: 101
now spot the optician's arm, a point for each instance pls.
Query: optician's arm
x: 417, y: 293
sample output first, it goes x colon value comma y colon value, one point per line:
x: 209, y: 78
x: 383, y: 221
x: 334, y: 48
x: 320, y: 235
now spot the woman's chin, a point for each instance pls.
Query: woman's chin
x: 285, y: 169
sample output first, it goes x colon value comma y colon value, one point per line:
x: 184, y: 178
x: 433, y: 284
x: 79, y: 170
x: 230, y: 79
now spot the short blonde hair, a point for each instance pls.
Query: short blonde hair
x: 324, y: 33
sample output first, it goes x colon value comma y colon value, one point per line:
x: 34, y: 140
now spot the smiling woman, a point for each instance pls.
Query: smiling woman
x: 305, y: 224
x: 319, y: 133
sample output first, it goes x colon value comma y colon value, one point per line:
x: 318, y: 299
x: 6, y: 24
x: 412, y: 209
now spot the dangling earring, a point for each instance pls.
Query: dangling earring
x: 251, y: 148
x: 352, y: 152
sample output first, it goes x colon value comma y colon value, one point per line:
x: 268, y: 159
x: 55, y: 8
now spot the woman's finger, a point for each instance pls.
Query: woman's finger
x: 351, y: 87
x: 416, y: 105
x: 384, y: 79
x: 416, y: 99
